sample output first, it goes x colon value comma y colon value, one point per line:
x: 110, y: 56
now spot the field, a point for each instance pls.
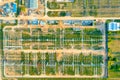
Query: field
x: 53, y: 52
x: 53, y: 64
x: 68, y: 38
x: 114, y: 54
x: 114, y: 38
x: 97, y: 8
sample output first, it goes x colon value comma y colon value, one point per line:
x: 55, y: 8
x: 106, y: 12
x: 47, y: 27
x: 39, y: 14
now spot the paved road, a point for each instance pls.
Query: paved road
x: 0, y: 68
x: 0, y: 55
x: 62, y: 50
x: 57, y: 18
x: 57, y: 76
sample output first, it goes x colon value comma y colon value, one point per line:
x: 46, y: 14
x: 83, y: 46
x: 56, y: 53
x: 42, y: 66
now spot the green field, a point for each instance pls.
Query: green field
x: 63, y: 38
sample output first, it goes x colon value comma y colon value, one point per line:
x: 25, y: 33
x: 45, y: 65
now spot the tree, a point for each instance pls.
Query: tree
x: 63, y: 13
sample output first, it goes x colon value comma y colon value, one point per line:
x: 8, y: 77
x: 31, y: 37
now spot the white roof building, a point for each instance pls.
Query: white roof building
x: 114, y: 26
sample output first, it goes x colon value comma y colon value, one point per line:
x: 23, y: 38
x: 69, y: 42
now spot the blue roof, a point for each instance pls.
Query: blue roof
x: 14, y: 7
x: 35, y: 22
x: 87, y: 22
x: 6, y: 8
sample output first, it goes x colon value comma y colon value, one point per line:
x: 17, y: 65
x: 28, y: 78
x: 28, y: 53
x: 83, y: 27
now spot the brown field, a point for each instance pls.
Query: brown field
x: 114, y: 45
